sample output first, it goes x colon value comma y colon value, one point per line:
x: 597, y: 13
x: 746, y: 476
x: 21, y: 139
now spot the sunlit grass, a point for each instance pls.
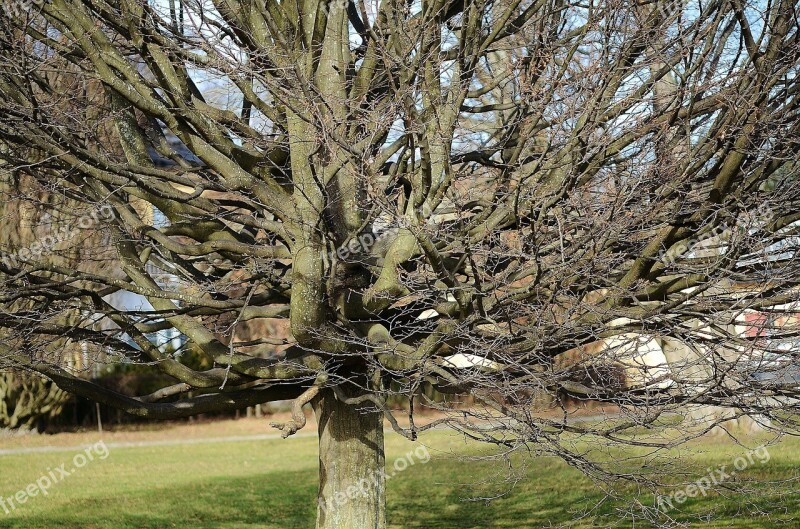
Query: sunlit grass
x: 272, y: 484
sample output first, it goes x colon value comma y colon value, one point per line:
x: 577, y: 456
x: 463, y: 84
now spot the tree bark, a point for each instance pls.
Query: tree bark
x: 352, y: 480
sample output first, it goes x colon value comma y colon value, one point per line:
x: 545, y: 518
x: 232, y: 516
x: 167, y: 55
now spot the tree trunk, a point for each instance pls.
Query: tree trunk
x: 352, y: 480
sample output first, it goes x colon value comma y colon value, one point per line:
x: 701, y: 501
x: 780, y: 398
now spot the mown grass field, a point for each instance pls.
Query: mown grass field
x: 272, y: 484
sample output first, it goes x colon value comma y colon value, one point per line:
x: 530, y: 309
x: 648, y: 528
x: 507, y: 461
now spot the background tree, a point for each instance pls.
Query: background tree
x: 503, y: 199
x: 27, y: 400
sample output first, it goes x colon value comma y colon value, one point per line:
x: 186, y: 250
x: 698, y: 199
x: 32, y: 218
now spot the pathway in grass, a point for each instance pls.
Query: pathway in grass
x: 272, y: 484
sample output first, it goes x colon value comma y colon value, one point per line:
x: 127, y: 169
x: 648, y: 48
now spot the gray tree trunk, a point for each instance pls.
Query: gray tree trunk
x: 352, y: 480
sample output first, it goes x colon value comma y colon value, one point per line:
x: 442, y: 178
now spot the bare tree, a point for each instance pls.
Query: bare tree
x: 503, y: 199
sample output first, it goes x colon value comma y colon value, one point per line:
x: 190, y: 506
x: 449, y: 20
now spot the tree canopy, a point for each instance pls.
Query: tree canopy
x: 501, y: 199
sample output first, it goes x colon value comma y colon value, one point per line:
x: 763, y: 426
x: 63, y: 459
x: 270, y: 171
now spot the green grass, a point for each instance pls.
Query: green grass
x: 272, y: 484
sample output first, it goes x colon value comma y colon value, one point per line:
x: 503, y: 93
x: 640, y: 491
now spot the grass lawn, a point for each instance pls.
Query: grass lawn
x: 272, y: 484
